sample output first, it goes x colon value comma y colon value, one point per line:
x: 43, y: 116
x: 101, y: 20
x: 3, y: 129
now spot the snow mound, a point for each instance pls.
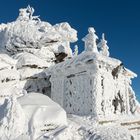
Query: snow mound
x: 42, y: 114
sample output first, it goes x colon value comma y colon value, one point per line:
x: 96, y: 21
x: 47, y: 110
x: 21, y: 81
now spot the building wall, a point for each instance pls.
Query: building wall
x: 112, y: 94
x: 74, y: 90
x: 78, y: 94
x: 57, y: 89
x: 89, y: 89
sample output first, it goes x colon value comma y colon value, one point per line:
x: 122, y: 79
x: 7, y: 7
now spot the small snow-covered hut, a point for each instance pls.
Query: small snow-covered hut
x: 93, y: 83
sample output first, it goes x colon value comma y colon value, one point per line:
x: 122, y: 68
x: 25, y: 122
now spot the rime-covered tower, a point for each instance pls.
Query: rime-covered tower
x: 93, y: 83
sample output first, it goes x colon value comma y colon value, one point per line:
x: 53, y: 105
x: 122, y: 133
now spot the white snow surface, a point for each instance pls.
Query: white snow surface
x: 42, y: 114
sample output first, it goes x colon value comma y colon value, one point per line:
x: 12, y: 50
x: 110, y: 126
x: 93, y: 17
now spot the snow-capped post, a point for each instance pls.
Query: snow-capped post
x: 103, y: 46
x: 90, y: 40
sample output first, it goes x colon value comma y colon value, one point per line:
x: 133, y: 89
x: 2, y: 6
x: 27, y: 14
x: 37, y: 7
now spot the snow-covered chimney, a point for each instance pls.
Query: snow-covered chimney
x: 90, y: 40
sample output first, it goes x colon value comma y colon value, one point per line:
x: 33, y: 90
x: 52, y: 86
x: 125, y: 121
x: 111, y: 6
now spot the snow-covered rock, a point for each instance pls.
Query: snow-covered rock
x: 30, y: 60
x: 30, y: 32
x: 9, y: 78
x: 35, y: 45
x: 42, y: 114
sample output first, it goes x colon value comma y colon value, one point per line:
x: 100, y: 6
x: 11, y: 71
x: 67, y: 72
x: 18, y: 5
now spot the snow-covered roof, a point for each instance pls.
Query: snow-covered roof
x: 130, y: 73
x: 88, y: 57
x: 84, y: 58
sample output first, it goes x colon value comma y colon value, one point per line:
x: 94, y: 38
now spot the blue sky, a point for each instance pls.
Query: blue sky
x: 118, y: 19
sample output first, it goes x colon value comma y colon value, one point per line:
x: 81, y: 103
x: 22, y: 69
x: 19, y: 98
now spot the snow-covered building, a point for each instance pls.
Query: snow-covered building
x: 92, y: 83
